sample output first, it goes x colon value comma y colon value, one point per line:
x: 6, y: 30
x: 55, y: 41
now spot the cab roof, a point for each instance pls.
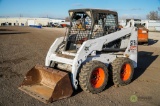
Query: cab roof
x: 93, y: 10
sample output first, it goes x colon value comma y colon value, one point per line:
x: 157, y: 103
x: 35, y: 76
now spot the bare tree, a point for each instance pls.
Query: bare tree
x: 67, y: 19
x: 153, y: 15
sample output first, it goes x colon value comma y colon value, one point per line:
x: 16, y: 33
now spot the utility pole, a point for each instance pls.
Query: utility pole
x: 159, y: 13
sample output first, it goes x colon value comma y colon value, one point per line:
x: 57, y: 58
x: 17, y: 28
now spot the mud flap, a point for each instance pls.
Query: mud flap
x: 47, y: 84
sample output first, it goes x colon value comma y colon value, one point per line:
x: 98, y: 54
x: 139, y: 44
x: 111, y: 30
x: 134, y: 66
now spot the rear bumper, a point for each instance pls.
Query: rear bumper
x: 142, y: 39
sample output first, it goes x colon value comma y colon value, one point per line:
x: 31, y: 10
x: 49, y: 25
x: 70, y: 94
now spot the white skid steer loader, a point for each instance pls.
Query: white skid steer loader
x: 93, y: 48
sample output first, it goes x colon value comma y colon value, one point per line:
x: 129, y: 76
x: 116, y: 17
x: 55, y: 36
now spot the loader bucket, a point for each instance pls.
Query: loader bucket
x: 47, y: 84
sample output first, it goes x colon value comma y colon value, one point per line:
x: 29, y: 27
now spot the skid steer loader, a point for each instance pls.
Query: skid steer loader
x: 93, y: 48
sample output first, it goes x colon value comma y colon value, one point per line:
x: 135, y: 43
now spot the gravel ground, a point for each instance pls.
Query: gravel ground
x: 23, y: 47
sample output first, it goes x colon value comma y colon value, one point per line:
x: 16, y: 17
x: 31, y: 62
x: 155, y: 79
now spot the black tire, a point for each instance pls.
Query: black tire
x: 120, y: 75
x: 88, y: 77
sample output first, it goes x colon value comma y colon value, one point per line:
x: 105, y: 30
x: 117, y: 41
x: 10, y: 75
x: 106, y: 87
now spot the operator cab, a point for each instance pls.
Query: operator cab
x: 88, y: 24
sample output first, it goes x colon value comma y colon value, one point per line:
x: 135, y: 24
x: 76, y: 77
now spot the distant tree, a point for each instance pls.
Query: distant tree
x: 67, y: 19
x: 153, y: 15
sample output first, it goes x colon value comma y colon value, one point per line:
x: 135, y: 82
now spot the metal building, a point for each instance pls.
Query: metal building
x: 24, y: 21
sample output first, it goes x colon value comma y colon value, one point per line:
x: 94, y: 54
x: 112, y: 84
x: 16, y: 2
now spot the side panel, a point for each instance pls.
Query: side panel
x: 132, y: 49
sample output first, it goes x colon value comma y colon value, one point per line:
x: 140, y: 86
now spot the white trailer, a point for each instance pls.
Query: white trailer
x: 30, y: 22
x: 152, y: 25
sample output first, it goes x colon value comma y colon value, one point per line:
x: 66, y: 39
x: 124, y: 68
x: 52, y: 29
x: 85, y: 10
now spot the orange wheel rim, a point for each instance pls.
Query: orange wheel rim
x: 126, y: 72
x: 97, y: 77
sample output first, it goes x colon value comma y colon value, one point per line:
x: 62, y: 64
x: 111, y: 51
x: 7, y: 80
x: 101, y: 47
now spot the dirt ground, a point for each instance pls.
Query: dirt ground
x: 23, y: 47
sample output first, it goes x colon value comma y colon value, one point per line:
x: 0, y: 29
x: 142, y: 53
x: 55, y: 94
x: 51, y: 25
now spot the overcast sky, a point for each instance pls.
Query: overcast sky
x: 59, y: 8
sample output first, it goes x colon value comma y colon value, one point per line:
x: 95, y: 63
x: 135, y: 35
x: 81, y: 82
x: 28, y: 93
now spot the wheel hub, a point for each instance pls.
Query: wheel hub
x: 97, y: 77
x: 125, y: 72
